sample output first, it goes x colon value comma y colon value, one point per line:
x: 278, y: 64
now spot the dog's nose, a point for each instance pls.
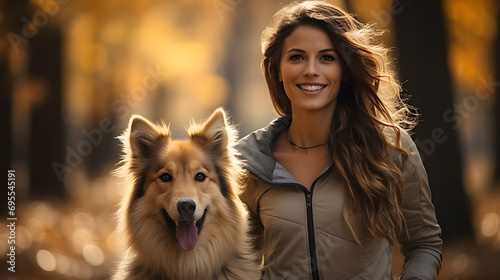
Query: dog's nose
x: 186, y: 207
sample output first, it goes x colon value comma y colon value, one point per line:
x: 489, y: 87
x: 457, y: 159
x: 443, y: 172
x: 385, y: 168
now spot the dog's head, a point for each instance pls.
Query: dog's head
x: 179, y: 185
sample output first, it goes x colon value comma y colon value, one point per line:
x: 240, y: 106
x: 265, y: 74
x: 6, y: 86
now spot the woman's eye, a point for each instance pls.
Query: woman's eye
x: 296, y: 57
x: 200, y: 177
x: 165, y: 177
x: 328, y: 58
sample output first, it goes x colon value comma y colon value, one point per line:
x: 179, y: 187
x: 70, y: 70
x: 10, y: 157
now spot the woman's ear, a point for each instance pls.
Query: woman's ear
x: 279, y: 76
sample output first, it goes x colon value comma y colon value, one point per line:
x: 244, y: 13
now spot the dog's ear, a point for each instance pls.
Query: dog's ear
x: 144, y: 136
x: 214, y: 132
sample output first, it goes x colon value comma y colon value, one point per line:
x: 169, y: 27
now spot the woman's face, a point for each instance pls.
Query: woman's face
x: 310, y: 70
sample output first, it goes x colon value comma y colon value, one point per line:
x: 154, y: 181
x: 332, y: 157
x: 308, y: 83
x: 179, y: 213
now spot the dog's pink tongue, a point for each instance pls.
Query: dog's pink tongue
x: 187, y: 235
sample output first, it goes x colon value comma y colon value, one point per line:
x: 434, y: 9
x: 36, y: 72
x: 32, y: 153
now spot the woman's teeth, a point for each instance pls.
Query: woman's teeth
x: 311, y: 87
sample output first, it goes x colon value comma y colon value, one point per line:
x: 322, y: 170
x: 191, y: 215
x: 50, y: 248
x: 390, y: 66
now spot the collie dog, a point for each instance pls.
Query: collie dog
x: 182, y: 217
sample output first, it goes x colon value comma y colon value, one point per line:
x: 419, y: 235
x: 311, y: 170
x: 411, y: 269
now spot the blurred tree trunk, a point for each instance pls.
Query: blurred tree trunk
x: 422, y: 42
x: 11, y: 13
x: 47, y: 129
x: 40, y: 104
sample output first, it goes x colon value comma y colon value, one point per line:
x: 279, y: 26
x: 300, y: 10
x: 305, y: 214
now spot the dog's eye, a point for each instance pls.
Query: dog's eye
x: 200, y: 177
x: 165, y: 177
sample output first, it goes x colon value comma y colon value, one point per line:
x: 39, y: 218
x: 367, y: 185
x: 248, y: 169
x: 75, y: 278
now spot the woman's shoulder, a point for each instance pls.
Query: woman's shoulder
x: 397, y: 134
x: 406, y: 142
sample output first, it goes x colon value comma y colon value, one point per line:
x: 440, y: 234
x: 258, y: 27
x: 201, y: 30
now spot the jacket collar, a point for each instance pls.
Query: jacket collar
x: 256, y: 148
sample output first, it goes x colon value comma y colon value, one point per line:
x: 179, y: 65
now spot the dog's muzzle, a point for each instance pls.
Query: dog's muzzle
x: 186, y: 230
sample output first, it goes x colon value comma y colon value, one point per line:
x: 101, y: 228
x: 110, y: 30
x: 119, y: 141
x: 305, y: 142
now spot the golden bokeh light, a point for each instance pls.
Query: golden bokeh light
x: 80, y: 238
x: 46, y: 260
x: 63, y: 265
x: 490, y: 224
x: 93, y: 255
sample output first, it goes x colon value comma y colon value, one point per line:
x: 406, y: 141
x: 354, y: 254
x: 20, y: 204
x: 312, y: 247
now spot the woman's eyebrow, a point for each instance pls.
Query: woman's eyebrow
x: 328, y: 50
x: 296, y: 50
x: 321, y: 51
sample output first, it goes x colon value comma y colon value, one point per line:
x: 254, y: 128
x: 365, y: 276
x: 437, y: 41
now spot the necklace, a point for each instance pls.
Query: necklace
x: 299, y: 147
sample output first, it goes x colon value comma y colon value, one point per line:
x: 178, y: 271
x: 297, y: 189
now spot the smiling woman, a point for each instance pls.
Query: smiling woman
x: 336, y: 178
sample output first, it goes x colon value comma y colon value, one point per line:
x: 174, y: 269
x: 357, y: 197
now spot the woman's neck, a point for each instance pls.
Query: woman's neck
x: 309, y: 129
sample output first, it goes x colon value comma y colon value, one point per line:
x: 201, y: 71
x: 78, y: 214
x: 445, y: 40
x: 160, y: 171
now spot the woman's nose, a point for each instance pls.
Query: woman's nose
x: 311, y: 69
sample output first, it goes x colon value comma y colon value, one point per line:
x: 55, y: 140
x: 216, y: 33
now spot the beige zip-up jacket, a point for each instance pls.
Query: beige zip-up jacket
x: 302, y: 234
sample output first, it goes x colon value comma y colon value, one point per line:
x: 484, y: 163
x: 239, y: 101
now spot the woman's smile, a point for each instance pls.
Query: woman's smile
x: 311, y: 88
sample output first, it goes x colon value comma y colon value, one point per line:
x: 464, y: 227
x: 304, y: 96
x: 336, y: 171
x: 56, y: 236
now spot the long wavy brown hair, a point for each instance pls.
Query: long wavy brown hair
x: 369, y: 108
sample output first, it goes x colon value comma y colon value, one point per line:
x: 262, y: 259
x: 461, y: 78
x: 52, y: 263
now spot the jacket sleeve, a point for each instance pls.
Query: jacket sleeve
x: 421, y: 245
x: 250, y: 198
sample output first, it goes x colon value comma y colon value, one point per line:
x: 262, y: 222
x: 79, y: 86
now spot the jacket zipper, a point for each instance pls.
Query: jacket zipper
x: 310, y: 225
x: 310, y: 232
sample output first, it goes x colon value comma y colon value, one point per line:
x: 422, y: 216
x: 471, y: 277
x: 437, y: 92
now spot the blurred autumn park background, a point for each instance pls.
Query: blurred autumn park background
x: 73, y: 71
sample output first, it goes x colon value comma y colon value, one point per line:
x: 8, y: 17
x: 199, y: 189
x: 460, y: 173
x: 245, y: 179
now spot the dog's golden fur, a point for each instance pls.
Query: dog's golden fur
x: 162, y: 172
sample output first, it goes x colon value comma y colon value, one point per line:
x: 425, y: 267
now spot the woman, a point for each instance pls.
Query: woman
x: 336, y: 180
